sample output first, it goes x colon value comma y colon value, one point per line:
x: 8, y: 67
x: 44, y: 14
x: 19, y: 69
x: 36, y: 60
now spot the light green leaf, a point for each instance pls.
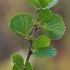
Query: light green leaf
x: 42, y: 41
x: 34, y: 3
x: 44, y: 3
x: 15, y: 67
x: 45, y: 52
x: 28, y: 66
x: 21, y: 24
x: 54, y: 28
x: 53, y: 3
x: 18, y: 61
x: 45, y: 15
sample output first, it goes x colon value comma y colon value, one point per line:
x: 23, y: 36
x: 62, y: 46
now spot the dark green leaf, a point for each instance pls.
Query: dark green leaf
x: 21, y: 24
x: 53, y: 3
x: 28, y: 66
x: 45, y: 52
x: 42, y: 41
x: 54, y: 28
x: 18, y: 61
x: 44, y: 3
x: 34, y: 3
x: 45, y: 15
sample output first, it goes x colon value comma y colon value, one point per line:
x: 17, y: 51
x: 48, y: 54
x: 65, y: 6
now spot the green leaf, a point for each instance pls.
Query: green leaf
x: 53, y: 3
x: 15, y: 67
x: 45, y: 15
x: 28, y: 66
x: 21, y: 24
x: 45, y: 52
x: 42, y: 41
x: 44, y: 3
x: 54, y: 28
x: 34, y: 3
x: 18, y: 62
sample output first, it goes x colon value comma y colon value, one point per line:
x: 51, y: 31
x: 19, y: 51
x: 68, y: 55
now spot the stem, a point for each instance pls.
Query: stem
x: 29, y: 50
x: 30, y: 45
x: 31, y: 42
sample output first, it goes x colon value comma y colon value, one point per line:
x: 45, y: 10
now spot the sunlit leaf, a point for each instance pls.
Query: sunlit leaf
x: 18, y: 62
x: 15, y: 67
x: 21, y: 24
x: 55, y: 27
x: 28, y: 66
x: 42, y: 41
x: 44, y: 3
x: 34, y: 3
x: 45, y: 15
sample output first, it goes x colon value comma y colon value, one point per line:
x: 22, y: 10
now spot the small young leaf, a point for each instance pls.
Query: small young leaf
x: 21, y: 24
x: 15, y: 67
x: 44, y: 3
x: 53, y: 3
x: 45, y: 52
x: 45, y: 15
x: 18, y: 61
x: 54, y: 28
x: 28, y: 66
x: 34, y: 3
x: 42, y: 41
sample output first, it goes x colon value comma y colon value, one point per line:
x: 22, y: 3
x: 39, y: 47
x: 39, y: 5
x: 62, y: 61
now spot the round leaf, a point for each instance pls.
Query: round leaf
x: 45, y: 15
x: 28, y: 66
x: 45, y: 52
x: 53, y: 3
x: 54, y: 28
x: 18, y: 61
x: 34, y: 3
x: 21, y: 24
x: 42, y: 41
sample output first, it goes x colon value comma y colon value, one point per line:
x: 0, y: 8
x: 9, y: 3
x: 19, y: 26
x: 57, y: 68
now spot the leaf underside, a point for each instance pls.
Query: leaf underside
x: 53, y: 3
x: 45, y: 52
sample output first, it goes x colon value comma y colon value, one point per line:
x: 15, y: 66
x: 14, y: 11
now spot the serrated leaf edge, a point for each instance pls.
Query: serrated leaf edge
x: 44, y: 57
x: 17, y: 15
x: 50, y: 4
x: 42, y: 11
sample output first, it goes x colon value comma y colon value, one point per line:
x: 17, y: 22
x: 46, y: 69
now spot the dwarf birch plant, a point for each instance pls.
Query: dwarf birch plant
x: 53, y: 28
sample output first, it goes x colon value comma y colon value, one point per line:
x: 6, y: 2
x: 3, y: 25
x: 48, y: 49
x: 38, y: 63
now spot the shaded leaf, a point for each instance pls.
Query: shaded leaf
x: 28, y: 66
x: 42, y: 41
x: 21, y: 24
x: 45, y: 52
x: 18, y: 61
x: 53, y: 3
x: 45, y: 15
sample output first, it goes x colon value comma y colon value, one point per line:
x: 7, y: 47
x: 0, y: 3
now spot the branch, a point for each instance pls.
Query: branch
x: 31, y: 42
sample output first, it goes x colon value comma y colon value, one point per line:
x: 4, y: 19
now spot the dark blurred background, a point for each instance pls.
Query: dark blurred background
x: 10, y: 43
